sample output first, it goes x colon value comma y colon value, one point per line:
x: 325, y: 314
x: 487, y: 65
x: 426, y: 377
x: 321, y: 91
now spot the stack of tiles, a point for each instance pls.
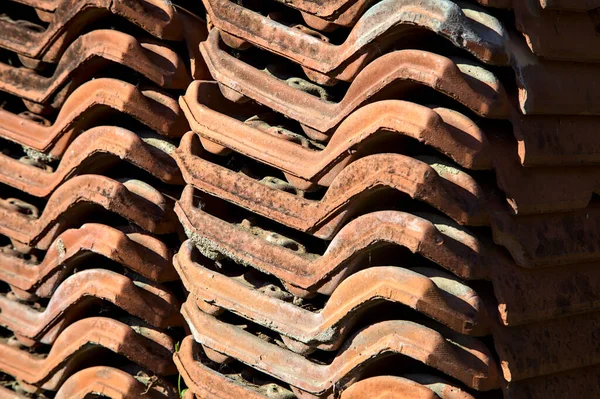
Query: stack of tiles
x: 391, y: 199
x: 299, y: 199
x: 88, y: 116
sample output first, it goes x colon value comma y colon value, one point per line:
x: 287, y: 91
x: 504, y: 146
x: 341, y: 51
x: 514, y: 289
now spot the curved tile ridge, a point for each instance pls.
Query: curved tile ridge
x: 139, y: 252
x: 113, y: 383
x: 475, y: 31
x: 148, y: 348
x: 101, y: 144
x: 306, y: 273
x: 205, y: 381
x: 435, y: 294
x: 464, y: 81
x: 426, y: 179
x: 133, y: 200
x: 470, y: 361
x: 86, y: 106
x: 68, y: 17
x: 88, y: 54
x: 448, y: 131
x: 150, y: 303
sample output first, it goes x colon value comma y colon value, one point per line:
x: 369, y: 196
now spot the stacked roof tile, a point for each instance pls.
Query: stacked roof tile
x: 299, y: 199
x: 89, y: 300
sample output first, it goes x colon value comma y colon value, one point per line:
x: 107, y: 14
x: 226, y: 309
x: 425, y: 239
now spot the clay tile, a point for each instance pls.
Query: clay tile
x: 554, y: 386
x: 560, y: 30
x: 530, y: 295
x: 543, y: 140
x: 322, y: 14
x: 148, y: 348
x: 205, y: 381
x: 373, y: 34
x: 86, y: 56
x: 538, y: 80
x: 464, y: 81
x: 113, y: 383
x: 302, y: 271
x: 448, y: 131
x: 430, y: 180
x: 68, y: 17
x: 470, y: 361
x: 528, y: 190
x: 92, y: 145
x: 86, y: 107
x: 552, y: 239
x: 139, y: 252
x: 435, y: 294
x: 151, y: 211
x: 540, y: 189
x: 547, y: 347
x: 150, y: 303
